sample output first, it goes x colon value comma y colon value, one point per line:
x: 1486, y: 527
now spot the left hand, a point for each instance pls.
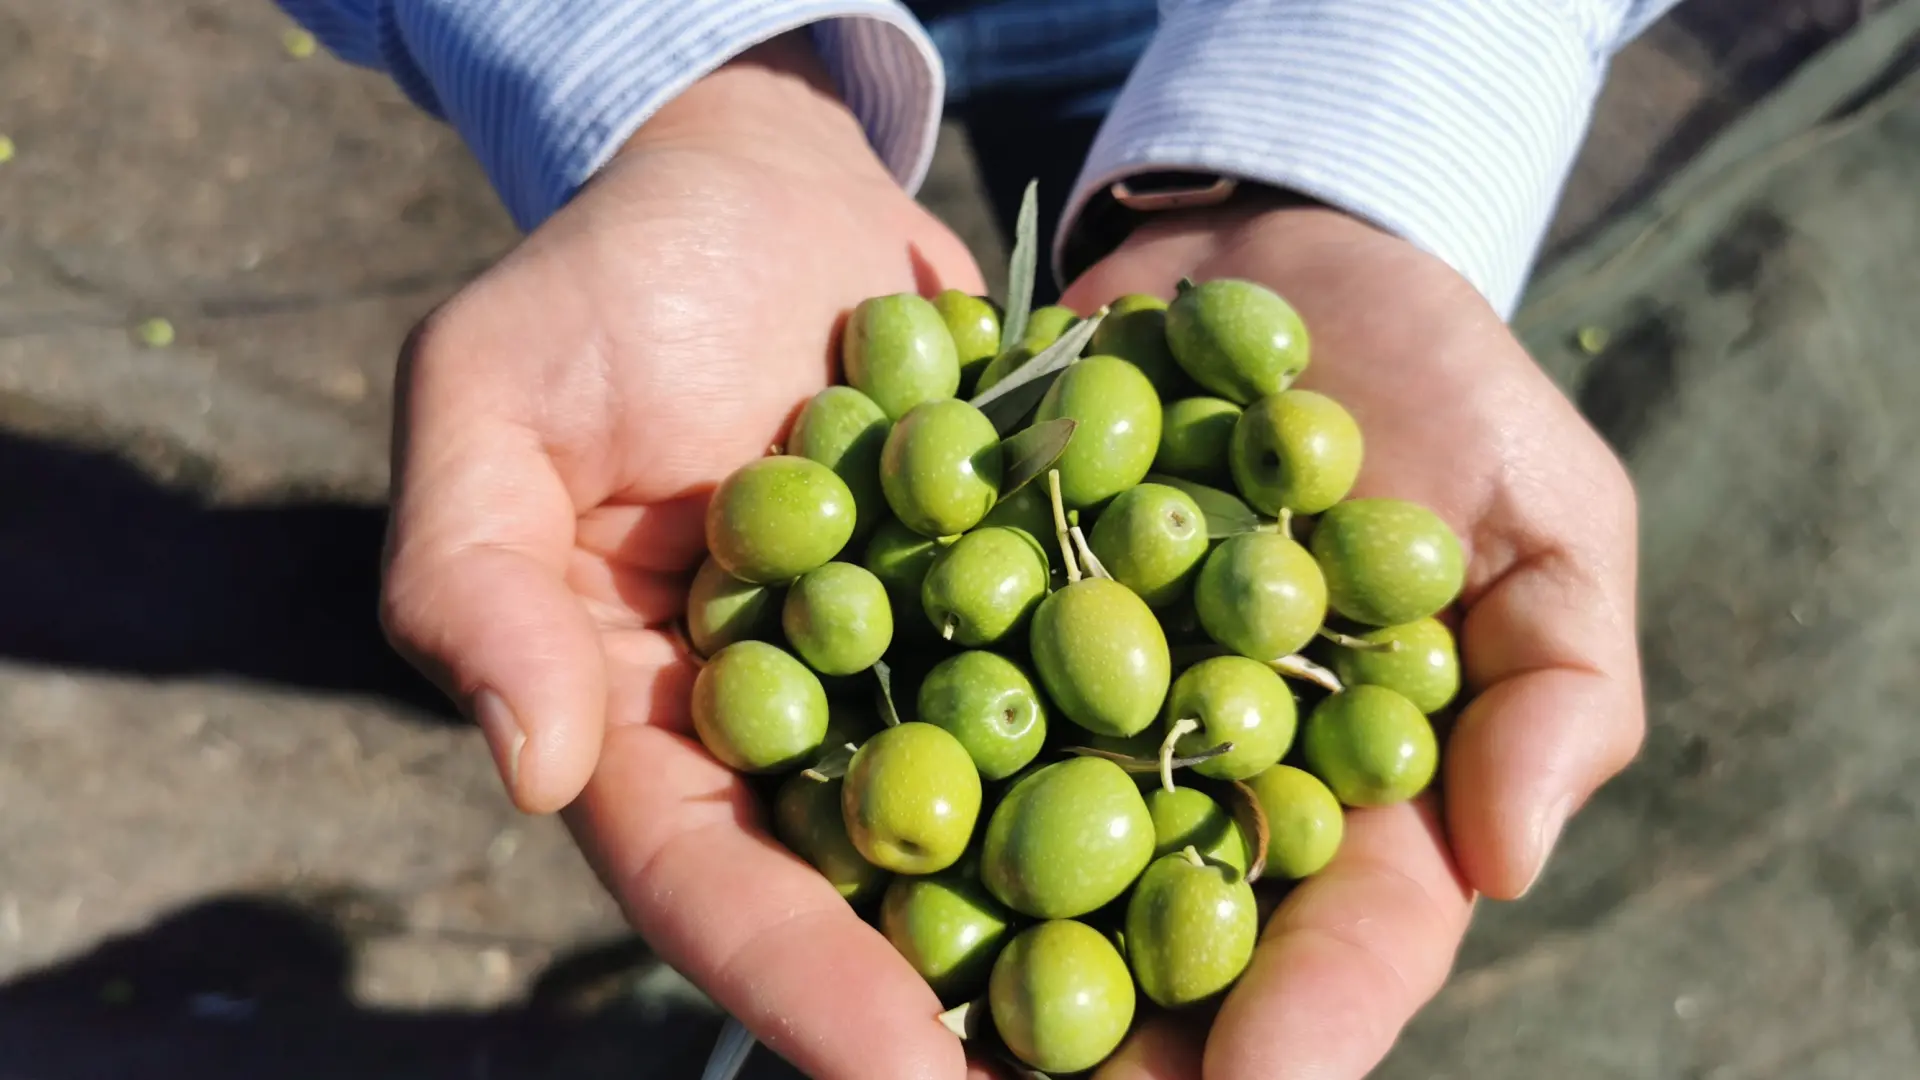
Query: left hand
x: 1456, y: 416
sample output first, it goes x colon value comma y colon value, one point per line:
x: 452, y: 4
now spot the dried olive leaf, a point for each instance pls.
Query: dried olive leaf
x: 1031, y: 452
x: 1150, y: 765
x: 1252, y: 818
x: 1021, y: 267
x: 1008, y: 401
x: 889, y: 714
x: 1226, y: 515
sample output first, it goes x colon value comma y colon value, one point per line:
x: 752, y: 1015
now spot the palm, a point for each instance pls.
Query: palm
x: 1456, y: 416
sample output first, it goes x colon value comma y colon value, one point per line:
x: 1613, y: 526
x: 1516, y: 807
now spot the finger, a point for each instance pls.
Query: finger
x: 1557, y: 712
x: 1348, y: 958
x: 676, y: 838
x: 475, y: 595
x: 1165, y: 1047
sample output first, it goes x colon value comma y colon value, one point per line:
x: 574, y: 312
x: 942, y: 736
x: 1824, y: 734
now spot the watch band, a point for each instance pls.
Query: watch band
x: 1112, y: 213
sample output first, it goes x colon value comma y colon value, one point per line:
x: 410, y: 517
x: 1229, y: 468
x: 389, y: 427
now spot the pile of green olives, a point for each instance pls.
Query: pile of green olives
x: 1047, y: 727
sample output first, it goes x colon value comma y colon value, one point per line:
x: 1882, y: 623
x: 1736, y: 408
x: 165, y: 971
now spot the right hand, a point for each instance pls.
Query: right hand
x: 559, y: 424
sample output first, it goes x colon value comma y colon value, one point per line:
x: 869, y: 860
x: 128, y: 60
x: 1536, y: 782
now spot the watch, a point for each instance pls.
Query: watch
x: 1111, y: 214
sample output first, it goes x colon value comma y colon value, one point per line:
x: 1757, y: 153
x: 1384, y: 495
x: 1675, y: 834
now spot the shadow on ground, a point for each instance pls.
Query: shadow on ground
x: 245, y: 986
x: 103, y: 568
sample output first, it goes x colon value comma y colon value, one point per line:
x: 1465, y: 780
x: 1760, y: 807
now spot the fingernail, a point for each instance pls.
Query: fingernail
x: 1546, y: 833
x: 503, y: 733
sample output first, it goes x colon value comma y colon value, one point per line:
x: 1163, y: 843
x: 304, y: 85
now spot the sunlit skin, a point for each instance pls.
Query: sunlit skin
x: 560, y: 421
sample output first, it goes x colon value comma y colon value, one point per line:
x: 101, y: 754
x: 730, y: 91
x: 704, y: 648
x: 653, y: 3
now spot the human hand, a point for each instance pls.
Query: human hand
x: 1456, y: 416
x: 559, y: 424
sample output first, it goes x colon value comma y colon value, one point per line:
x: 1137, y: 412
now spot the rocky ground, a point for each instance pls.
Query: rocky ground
x: 237, y: 838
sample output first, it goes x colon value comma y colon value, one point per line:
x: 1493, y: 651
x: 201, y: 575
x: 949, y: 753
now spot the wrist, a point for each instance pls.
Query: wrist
x: 773, y: 99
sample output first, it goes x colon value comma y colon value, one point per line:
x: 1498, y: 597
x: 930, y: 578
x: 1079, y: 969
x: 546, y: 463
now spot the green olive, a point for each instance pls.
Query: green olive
x: 722, y: 609
x: 1186, y: 817
x: 948, y: 928
x: 1295, y: 450
x: 1135, y: 330
x: 1118, y: 433
x: 843, y: 429
x: 1261, y: 595
x: 1191, y: 929
x: 1151, y: 538
x: 1101, y: 656
x: 1424, y: 667
x: 1371, y: 746
x: 975, y: 325
x: 1044, y: 327
x: 838, y: 619
x: 990, y: 704
x: 1238, y: 701
x: 1236, y: 338
x: 941, y: 467
x: 1387, y: 561
x: 900, y: 558
x: 807, y: 818
x: 758, y: 709
x: 911, y: 799
x: 1066, y: 839
x: 778, y: 517
x: 1195, y: 434
x: 897, y: 351
x: 1061, y: 997
x: 984, y: 586
x: 1304, y: 821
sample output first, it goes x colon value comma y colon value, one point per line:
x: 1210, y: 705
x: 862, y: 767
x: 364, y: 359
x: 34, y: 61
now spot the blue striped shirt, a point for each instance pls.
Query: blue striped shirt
x: 1450, y: 122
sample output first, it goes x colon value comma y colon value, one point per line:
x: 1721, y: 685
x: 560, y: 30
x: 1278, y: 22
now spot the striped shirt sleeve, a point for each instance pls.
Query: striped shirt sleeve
x: 1452, y: 123
x: 544, y: 92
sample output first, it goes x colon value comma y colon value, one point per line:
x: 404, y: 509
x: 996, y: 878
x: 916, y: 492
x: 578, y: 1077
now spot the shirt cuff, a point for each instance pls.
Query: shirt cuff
x: 544, y: 93
x: 1452, y: 123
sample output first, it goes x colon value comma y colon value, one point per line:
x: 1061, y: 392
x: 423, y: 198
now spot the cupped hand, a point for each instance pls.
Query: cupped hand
x: 1457, y: 416
x: 559, y: 425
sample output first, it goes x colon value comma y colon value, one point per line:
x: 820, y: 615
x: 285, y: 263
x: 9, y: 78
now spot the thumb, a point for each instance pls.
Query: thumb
x: 475, y: 591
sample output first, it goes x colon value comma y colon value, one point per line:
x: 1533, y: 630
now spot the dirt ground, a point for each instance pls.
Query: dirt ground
x: 238, y: 838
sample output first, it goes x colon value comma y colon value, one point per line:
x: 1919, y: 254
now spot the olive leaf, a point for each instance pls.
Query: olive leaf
x: 889, y: 715
x: 1008, y: 401
x: 1021, y: 267
x: 1151, y: 765
x: 1032, y: 452
x: 1252, y: 819
x: 1226, y: 515
x: 832, y: 764
x: 967, y: 1019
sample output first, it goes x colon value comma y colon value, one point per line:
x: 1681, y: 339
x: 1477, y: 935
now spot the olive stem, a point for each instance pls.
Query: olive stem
x: 1092, y: 561
x: 1358, y: 644
x: 1193, y: 856
x: 946, y: 629
x: 1060, y: 526
x: 1299, y: 667
x: 964, y: 1019
x: 1182, y: 726
x: 775, y: 449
